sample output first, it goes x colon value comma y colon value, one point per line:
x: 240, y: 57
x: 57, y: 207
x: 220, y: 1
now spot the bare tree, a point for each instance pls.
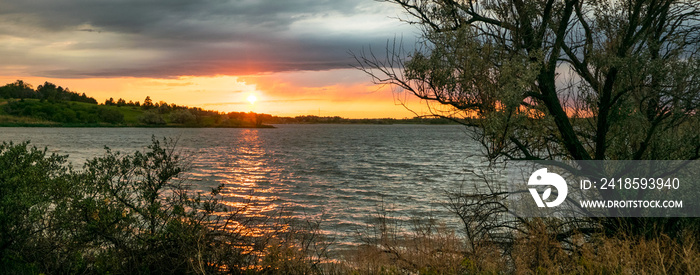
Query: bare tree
x: 555, y: 79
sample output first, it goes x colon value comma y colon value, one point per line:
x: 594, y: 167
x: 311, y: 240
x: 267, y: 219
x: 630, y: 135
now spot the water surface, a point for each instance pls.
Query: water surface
x: 340, y: 173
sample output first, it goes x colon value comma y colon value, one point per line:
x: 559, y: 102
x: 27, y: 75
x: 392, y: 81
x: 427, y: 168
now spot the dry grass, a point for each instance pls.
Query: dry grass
x: 431, y: 248
x: 540, y: 253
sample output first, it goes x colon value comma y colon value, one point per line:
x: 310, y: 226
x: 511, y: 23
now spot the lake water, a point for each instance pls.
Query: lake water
x: 338, y: 173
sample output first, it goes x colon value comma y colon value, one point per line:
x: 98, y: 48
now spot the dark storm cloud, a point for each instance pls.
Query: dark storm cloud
x: 166, y: 38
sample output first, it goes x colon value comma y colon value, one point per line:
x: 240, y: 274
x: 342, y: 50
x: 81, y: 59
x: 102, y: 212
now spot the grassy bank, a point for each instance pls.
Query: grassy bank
x: 46, y: 113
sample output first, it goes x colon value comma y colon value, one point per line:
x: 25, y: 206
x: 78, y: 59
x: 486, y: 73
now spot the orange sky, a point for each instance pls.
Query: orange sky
x: 293, y: 55
x: 342, y: 92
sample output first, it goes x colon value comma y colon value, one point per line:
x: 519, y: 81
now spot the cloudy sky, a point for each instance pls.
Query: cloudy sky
x: 293, y: 55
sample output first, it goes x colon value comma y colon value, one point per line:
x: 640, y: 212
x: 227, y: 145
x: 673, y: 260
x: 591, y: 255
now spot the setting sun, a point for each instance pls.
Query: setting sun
x: 252, y: 99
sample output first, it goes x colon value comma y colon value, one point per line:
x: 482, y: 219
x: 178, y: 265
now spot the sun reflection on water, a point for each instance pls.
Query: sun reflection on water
x: 247, y: 166
x: 337, y: 174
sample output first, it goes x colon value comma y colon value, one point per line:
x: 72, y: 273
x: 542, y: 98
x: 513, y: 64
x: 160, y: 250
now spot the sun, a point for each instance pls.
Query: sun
x: 252, y: 99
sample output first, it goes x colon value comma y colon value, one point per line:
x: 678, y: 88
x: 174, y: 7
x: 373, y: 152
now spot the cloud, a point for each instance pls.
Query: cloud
x: 170, y: 38
x: 339, y: 85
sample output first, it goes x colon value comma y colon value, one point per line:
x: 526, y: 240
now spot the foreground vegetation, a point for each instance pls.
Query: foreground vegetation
x: 130, y: 214
x: 431, y: 248
x: 137, y: 214
x: 560, y: 81
x: 539, y: 80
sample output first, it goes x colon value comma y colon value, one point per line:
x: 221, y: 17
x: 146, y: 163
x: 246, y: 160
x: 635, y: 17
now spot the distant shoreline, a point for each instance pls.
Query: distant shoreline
x: 264, y: 126
x: 50, y: 105
x: 71, y: 125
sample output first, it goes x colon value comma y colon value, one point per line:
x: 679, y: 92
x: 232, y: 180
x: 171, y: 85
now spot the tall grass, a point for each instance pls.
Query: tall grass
x: 428, y: 247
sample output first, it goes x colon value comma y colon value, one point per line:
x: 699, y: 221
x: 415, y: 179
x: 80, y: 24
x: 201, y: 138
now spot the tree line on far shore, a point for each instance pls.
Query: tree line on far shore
x: 54, y: 105
x: 50, y: 104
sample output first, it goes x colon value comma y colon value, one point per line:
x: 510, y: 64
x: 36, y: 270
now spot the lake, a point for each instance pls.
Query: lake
x: 341, y: 174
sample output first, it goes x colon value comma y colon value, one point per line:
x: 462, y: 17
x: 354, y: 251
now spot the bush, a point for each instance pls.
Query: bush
x: 141, y: 214
x: 182, y: 116
x: 32, y: 189
x: 111, y: 116
x: 151, y: 117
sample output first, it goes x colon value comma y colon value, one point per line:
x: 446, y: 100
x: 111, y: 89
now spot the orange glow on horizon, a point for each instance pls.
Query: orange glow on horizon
x: 280, y: 94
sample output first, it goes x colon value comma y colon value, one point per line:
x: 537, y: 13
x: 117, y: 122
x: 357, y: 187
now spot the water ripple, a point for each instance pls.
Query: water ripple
x: 342, y: 173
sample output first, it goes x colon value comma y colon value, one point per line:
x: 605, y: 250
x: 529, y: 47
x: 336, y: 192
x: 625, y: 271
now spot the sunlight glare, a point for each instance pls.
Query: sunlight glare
x: 252, y: 99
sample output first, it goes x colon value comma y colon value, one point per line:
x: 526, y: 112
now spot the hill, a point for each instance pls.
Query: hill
x: 51, y: 105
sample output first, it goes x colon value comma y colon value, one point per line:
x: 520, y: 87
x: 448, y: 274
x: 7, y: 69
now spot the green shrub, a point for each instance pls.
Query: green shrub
x: 182, y: 116
x: 32, y: 186
x: 110, y: 116
x: 151, y: 117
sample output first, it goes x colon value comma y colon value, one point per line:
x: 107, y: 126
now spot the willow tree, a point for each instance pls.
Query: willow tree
x: 557, y: 79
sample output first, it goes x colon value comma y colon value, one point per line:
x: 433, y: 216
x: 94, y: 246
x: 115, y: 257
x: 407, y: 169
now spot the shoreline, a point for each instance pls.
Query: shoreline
x: 61, y: 125
x: 264, y: 126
